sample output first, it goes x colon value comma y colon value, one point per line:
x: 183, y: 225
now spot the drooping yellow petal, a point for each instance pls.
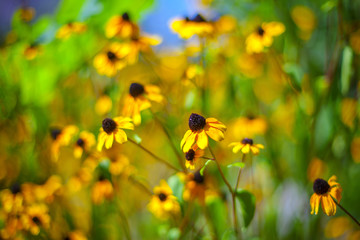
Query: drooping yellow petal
x: 109, y: 141
x: 273, y: 28
x: 254, y: 150
x: 213, y: 122
x: 314, y: 203
x: 202, y: 140
x: 246, y: 149
x: 238, y: 147
x: 328, y: 205
x: 120, y: 136
x: 215, y: 133
x: 101, y: 140
x: 189, y: 142
x: 187, y: 134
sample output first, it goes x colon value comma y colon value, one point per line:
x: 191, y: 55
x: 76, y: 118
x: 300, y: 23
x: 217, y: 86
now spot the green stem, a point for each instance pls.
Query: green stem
x: 349, y: 214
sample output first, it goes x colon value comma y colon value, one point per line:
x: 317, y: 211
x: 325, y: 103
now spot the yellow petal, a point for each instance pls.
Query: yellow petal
x: 101, y: 140
x: 109, y: 141
x: 254, y: 150
x: 120, y: 136
x: 246, y: 149
x: 202, y: 140
x: 314, y: 203
x: 189, y: 142
x: 187, y: 134
x: 328, y: 205
x: 215, y: 134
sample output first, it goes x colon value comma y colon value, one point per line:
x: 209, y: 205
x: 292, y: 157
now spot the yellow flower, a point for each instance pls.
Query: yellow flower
x: 85, y: 141
x: 336, y: 227
x: 13, y: 226
x: 70, y: 28
x: 186, y: 28
x: 304, y: 19
x: 119, y: 165
x: 251, y: 65
x: 101, y: 190
x: 246, y: 145
x: 225, y: 24
x: 200, y: 129
x: 61, y: 137
x: 122, y: 27
x: 323, y: 193
x: 112, y: 129
x: 163, y: 204
x: 109, y: 62
x: 249, y: 127
x: 76, y: 235
x: 31, y: 51
x: 316, y: 169
x: 103, y: 105
x: 36, y: 216
x: 191, y: 73
x: 12, y: 199
x: 138, y: 100
x: 263, y: 36
x: 348, y: 111
x: 195, y: 188
x: 27, y: 13
x: 141, y: 44
x: 193, y: 157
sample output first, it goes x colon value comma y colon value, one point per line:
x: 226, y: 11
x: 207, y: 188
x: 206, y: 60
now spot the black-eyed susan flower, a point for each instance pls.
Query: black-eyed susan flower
x: 121, y: 27
x: 249, y: 126
x: 141, y: 44
x: 85, y: 141
x: 138, y: 100
x: 120, y: 165
x: 31, y: 51
x: 195, y: 187
x: 186, y: 27
x: 163, y: 203
x: 12, y: 199
x: 263, y: 36
x: 102, y: 190
x: 103, y: 105
x: 61, y: 137
x: 35, y: 217
x: 112, y: 129
x: 246, y: 145
x: 112, y: 60
x: 305, y: 20
x: 200, y: 129
x: 69, y: 29
x: 193, y: 157
x: 12, y: 227
x: 324, y: 192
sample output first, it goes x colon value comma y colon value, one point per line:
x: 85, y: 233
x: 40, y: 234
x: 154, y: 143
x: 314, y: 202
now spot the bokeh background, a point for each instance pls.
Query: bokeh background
x: 298, y: 97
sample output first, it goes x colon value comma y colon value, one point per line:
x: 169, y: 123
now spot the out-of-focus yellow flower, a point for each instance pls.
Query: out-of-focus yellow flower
x: 337, y: 226
x: 163, y: 203
x: 249, y: 126
x: 200, y: 129
x: 85, y: 141
x: 225, y: 24
x: 354, y: 236
x: 141, y: 44
x: 27, y: 13
x: 12, y: 228
x: 138, y: 100
x: 109, y: 62
x: 195, y: 188
x: 69, y: 29
x: 316, y: 169
x: 193, y: 158
x: 102, y: 190
x: 35, y: 217
x: 191, y: 73
x: 103, y: 105
x: 120, y: 165
x: 348, y: 111
x: 323, y: 193
x: 186, y: 28
x: 112, y: 129
x: 76, y: 235
x: 246, y: 145
x: 355, y: 149
x: 304, y: 19
x: 355, y: 41
x: 263, y: 36
x: 122, y: 27
x: 12, y: 200
x: 251, y: 65
x: 31, y: 51
x: 61, y: 137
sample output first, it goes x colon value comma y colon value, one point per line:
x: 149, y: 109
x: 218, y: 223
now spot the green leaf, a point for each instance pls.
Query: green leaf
x: 218, y: 215
x: 203, y: 168
x: 346, y: 69
x: 229, y: 235
x: 247, y: 204
x: 327, y: 6
x: 176, y: 186
x: 236, y: 164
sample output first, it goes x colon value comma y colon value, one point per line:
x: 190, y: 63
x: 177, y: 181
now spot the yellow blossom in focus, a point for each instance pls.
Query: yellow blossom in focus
x: 316, y: 169
x: 246, y: 145
x: 69, y: 29
x: 138, y: 99
x: 112, y: 129
x: 337, y: 226
x: 263, y: 36
x: 348, y: 111
x: 305, y: 20
x: 84, y: 143
x: 200, y: 129
x: 324, y: 192
x: 355, y: 149
x: 101, y: 190
x: 193, y: 158
x: 112, y: 60
x: 122, y: 27
x: 163, y: 203
x: 103, y: 105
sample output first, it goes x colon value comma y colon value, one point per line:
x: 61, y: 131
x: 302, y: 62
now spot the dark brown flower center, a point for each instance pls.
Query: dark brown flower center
x: 162, y: 197
x: 196, y: 122
x: 198, y: 178
x: 111, y: 56
x: 80, y: 142
x: 109, y: 125
x: 36, y: 220
x: 55, y: 133
x: 321, y: 186
x: 136, y: 89
x: 198, y: 18
x: 15, y: 188
x: 260, y: 31
x: 190, y: 155
x: 126, y: 16
x: 247, y: 141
